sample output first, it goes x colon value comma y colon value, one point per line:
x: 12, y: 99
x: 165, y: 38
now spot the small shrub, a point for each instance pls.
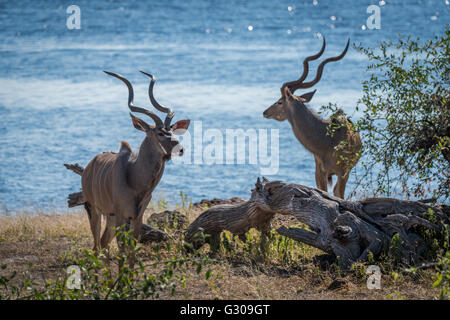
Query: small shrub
x: 98, y: 281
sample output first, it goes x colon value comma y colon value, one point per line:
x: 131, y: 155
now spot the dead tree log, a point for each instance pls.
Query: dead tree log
x: 168, y: 219
x: 237, y: 218
x: 75, y: 168
x: 352, y: 229
x: 75, y: 199
x: 150, y: 234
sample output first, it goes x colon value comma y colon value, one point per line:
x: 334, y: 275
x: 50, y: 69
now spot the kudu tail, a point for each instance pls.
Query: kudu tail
x: 75, y: 168
x: 330, y: 180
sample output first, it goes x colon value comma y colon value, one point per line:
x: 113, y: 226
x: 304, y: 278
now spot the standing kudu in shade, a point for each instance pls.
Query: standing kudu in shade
x: 120, y: 185
x: 318, y: 135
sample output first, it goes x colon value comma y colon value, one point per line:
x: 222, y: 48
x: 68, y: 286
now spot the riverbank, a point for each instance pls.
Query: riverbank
x: 44, y: 245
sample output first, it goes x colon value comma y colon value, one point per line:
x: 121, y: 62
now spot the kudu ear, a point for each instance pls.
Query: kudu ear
x: 140, y: 124
x: 307, y: 96
x: 180, y: 127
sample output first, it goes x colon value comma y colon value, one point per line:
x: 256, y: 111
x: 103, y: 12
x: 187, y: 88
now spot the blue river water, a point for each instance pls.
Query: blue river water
x: 218, y: 63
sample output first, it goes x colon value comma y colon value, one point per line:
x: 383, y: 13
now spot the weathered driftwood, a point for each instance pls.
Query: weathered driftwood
x: 168, y: 219
x: 352, y: 229
x: 151, y: 234
x: 75, y: 168
x: 75, y: 199
x: 237, y: 218
x: 214, y: 202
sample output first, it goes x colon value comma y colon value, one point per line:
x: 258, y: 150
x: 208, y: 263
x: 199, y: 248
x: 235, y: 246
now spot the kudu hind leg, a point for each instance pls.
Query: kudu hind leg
x: 339, y: 188
x: 321, y: 176
x: 95, y: 221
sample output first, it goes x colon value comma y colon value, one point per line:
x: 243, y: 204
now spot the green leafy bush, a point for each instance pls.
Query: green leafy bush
x: 404, y: 123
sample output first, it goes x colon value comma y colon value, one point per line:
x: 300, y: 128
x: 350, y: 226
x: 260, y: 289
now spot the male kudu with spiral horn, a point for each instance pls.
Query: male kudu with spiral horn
x: 336, y: 146
x: 120, y: 185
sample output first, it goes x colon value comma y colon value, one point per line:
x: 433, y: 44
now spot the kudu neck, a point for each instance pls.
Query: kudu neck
x: 308, y: 128
x: 148, y: 168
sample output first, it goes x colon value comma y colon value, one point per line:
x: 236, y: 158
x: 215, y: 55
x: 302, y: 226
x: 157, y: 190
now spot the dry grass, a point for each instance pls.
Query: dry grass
x: 47, y: 240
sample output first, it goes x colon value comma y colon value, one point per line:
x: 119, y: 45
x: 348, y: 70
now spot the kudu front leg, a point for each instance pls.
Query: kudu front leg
x: 130, y: 219
x: 121, y: 228
x: 136, y: 227
x: 109, y: 232
x: 108, y: 235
